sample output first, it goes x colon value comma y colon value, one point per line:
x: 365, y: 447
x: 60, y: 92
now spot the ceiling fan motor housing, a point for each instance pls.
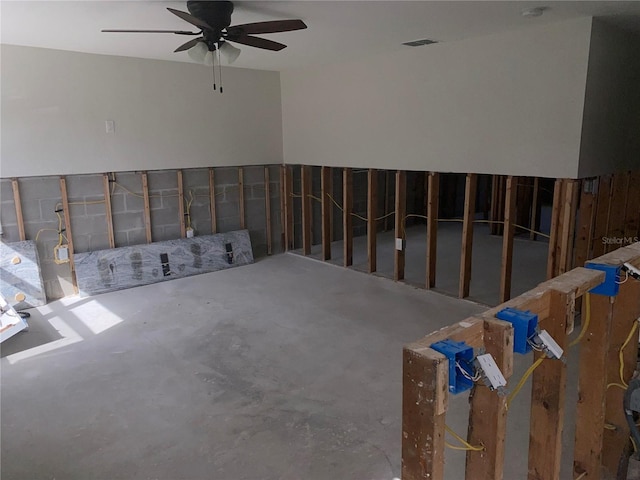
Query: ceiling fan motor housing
x: 215, y: 14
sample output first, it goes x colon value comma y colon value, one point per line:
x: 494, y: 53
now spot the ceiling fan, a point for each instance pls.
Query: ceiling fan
x: 213, y: 18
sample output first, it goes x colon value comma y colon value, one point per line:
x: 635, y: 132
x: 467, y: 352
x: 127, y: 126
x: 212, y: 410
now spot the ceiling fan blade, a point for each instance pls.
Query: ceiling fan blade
x: 229, y: 52
x: 257, y: 42
x: 190, y: 44
x: 177, y: 32
x: 275, y: 26
x: 190, y: 18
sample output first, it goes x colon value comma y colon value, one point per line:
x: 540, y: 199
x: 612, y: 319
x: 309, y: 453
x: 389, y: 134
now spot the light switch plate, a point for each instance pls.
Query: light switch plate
x: 399, y: 244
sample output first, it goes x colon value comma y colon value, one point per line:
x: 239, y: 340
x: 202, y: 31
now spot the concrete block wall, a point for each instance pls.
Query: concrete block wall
x: 163, y: 202
x: 127, y: 209
x: 196, y: 189
x: 88, y: 213
x: 40, y: 196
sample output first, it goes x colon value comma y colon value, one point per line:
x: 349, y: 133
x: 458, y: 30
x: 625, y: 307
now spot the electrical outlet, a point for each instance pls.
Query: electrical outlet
x: 491, y: 371
x: 631, y: 270
x: 550, y: 345
x: 399, y: 244
x: 61, y: 253
x: 189, y: 232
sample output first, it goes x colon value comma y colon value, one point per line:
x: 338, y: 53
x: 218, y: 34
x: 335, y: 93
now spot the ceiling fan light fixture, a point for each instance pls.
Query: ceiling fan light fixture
x: 198, y: 53
x: 229, y: 52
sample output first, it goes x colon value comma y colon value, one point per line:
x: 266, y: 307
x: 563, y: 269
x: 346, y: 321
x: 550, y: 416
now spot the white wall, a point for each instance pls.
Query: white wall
x: 611, y: 127
x: 55, y: 103
x: 508, y: 103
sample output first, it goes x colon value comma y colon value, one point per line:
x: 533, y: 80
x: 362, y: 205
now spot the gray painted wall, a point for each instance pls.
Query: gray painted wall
x: 611, y: 126
x: 55, y: 103
x: 509, y: 103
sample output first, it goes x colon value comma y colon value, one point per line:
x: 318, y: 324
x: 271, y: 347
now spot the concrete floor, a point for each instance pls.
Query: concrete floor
x: 529, y: 260
x: 286, y: 369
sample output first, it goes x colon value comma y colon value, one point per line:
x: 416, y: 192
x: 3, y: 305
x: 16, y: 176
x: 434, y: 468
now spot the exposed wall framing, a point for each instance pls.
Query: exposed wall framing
x: 601, y: 430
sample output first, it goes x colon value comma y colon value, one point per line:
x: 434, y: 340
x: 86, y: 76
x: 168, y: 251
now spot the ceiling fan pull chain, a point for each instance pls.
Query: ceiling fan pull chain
x: 213, y: 62
x: 220, y: 68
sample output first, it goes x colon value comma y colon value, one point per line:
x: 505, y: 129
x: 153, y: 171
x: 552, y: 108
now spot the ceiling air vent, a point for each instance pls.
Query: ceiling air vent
x: 417, y: 43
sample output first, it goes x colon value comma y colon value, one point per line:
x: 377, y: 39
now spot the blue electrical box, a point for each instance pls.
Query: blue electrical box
x: 524, y: 324
x: 459, y: 354
x: 610, y: 286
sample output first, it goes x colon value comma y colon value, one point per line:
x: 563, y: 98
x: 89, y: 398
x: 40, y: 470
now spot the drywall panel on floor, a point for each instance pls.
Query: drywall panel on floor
x: 118, y: 268
x: 508, y: 103
x: 56, y: 106
x: 20, y: 275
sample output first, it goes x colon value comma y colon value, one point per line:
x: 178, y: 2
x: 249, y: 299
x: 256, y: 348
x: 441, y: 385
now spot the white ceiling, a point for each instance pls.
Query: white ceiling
x: 338, y: 30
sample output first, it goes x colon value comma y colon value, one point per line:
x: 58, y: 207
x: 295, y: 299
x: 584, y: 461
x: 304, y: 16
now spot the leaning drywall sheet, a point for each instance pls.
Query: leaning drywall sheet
x: 118, y: 268
x: 20, y: 276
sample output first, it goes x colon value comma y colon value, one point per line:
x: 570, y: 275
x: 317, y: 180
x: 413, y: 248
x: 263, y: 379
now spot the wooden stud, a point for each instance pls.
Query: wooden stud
x: 387, y: 201
x: 469, y: 331
x: 106, y: 185
x: 534, y: 208
x: 283, y: 209
x: 267, y: 206
x: 467, y: 234
x: 372, y: 213
x: 567, y: 225
x: 555, y: 222
x: 181, y: 211
x: 347, y: 219
x: 331, y: 206
x: 243, y: 220
x: 584, y: 233
x: 68, y: 234
x: 401, y: 212
x: 592, y: 388
x: 632, y: 216
x: 626, y: 310
x: 507, y: 238
x: 433, y: 192
x: 212, y: 201
x: 497, y: 204
x: 306, y: 209
x: 147, y: 210
x: 548, y: 396
x: 288, y: 200
x: 488, y: 414
x: 616, y: 227
x: 18, y: 205
x: 424, y: 403
x: 327, y: 207
x: 602, y: 215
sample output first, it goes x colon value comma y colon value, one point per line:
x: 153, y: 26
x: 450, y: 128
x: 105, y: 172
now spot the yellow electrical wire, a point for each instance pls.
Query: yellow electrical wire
x: 587, y: 320
x: 188, y: 212
x: 522, y: 381
x: 45, y: 230
x: 619, y: 385
x: 581, y: 476
x: 467, y: 446
x: 621, y: 352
